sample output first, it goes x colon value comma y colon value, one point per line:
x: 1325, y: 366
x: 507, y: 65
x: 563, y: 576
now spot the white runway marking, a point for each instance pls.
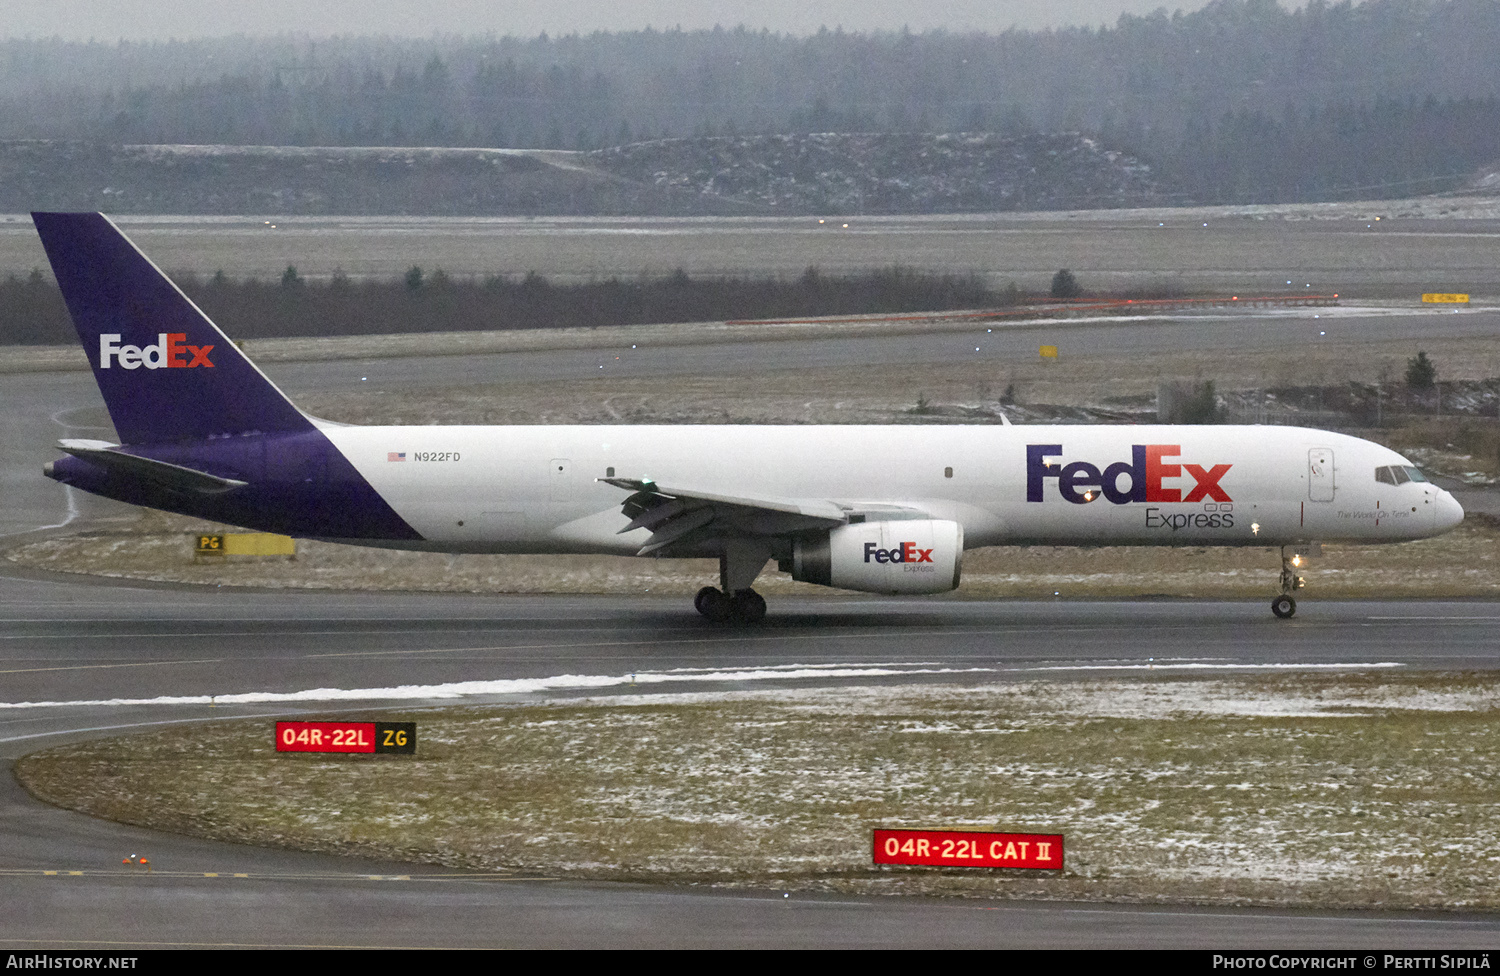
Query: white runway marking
x: 1159, y: 666
x: 1432, y: 618
x: 72, y: 511
x: 509, y: 686
x: 580, y: 682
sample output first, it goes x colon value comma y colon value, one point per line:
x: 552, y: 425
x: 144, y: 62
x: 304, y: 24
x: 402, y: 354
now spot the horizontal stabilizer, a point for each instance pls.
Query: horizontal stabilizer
x: 172, y: 476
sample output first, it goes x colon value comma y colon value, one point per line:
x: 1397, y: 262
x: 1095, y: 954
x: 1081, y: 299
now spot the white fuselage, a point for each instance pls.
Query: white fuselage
x: 533, y: 489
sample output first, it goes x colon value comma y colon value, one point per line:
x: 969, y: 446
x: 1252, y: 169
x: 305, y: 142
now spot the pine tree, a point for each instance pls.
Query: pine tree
x: 1421, y: 372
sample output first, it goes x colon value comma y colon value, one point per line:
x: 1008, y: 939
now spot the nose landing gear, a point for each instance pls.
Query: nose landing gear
x: 1284, y: 606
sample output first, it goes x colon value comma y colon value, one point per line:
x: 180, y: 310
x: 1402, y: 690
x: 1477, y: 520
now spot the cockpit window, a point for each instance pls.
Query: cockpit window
x: 1398, y: 474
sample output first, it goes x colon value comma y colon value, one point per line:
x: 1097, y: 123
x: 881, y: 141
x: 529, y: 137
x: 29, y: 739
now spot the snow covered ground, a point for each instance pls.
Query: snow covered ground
x: 1370, y: 787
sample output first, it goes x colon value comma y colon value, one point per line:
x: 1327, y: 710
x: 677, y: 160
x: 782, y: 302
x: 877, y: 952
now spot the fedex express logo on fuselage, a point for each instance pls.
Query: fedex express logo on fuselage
x: 169, y: 352
x: 1080, y: 482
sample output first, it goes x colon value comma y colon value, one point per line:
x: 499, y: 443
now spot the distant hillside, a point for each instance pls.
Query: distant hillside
x: 820, y: 173
x: 288, y: 180
x: 1484, y: 182
x: 892, y: 173
x: 1240, y: 101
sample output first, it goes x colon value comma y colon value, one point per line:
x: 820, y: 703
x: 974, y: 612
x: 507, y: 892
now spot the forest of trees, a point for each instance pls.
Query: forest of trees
x: 1243, y: 99
x: 32, y: 310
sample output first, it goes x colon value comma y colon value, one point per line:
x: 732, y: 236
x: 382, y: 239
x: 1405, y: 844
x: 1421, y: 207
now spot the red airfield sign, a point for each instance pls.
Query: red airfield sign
x: 398, y: 737
x: 969, y: 849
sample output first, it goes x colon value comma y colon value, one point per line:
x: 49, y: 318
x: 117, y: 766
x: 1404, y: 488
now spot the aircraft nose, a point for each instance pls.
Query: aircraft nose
x: 1449, y: 512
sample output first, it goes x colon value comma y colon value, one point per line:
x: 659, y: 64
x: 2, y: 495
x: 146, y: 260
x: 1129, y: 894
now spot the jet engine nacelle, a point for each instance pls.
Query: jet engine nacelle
x: 917, y: 556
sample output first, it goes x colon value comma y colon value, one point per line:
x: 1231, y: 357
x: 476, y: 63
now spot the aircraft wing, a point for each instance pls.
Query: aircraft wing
x: 678, y: 516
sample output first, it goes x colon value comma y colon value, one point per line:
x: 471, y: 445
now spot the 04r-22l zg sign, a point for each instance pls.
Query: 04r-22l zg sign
x: 387, y: 737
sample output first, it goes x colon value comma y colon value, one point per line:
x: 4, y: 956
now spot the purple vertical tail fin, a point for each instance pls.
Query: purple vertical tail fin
x: 166, y: 371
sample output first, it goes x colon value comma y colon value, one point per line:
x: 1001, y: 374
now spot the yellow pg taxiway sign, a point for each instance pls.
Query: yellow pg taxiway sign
x: 1445, y: 299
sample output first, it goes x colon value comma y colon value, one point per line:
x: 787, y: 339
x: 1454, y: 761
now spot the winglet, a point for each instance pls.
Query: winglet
x: 166, y: 371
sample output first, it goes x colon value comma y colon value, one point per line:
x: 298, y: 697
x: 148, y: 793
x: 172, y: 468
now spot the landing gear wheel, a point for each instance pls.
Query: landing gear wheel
x: 713, y: 604
x: 1284, y: 606
x: 749, y: 607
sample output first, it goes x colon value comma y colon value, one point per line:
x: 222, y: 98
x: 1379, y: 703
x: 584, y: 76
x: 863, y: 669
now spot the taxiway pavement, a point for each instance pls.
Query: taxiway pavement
x: 97, y: 658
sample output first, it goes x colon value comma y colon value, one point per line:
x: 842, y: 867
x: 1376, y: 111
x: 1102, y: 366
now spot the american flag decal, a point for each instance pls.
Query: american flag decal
x: 394, y: 456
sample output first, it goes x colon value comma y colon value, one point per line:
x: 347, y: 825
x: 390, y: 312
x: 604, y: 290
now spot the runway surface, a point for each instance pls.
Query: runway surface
x: 98, y: 658
x: 999, y: 344
x: 1190, y: 249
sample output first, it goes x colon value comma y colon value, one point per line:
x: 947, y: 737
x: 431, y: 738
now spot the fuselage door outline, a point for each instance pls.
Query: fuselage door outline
x: 1320, y: 474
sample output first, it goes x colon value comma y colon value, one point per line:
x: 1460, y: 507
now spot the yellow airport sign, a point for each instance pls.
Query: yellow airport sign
x: 1445, y: 298
x: 246, y: 544
x: 1049, y: 352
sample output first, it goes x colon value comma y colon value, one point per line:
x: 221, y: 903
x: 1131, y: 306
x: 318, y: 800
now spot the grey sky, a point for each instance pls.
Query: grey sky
x: 111, y: 20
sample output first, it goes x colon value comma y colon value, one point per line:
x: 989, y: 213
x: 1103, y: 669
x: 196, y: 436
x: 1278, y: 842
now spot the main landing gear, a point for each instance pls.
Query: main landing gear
x: 1284, y: 606
x: 744, y: 607
x: 733, y: 601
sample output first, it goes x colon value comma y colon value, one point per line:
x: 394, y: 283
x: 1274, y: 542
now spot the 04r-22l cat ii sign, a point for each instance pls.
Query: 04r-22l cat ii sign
x: 882, y: 509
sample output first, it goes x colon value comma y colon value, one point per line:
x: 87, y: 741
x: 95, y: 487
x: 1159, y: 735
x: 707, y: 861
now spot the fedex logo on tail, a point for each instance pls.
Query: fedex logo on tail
x: 1080, y: 482
x: 169, y: 352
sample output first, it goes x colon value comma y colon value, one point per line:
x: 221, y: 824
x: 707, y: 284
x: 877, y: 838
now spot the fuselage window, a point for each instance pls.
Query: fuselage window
x: 1384, y: 476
